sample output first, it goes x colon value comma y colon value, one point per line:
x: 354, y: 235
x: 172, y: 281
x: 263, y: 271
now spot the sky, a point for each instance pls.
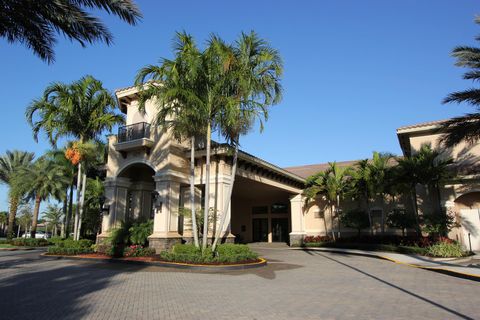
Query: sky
x: 354, y: 71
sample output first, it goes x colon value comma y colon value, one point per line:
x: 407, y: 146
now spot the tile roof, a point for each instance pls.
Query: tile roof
x: 423, y: 124
x: 310, y: 169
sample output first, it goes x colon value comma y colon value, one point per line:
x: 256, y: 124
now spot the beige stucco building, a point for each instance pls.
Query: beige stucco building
x: 148, y: 176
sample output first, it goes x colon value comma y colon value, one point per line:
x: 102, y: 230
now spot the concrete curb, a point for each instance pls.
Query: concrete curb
x: 372, y: 254
x: 186, y: 266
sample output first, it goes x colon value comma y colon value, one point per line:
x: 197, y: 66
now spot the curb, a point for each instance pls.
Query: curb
x: 176, y: 265
x: 449, y: 272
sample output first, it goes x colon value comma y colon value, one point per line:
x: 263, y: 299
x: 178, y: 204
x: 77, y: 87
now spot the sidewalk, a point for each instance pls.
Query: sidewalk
x: 468, y: 267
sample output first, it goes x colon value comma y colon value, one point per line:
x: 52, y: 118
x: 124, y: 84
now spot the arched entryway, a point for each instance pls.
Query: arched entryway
x: 468, y: 208
x: 139, y: 195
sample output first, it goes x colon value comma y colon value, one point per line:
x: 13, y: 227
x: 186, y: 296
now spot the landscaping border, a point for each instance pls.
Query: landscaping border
x: 177, y: 265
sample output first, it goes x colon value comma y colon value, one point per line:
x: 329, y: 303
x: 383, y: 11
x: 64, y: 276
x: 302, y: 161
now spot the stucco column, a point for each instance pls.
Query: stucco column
x: 165, y: 223
x: 218, y: 196
x: 116, y: 191
x: 298, y: 220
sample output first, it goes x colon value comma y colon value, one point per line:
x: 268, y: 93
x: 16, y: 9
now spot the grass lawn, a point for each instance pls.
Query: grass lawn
x: 6, y: 246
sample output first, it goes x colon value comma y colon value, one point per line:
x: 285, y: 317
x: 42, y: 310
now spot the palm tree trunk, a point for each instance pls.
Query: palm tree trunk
x: 70, y: 211
x: 228, y: 198
x: 415, y: 209
x: 370, y: 222
x: 332, y: 209
x: 64, y: 210
x: 11, y: 216
x: 82, y: 201
x: 36, y: 210
x: 192, y: 192
x: 207, y: 188
x: 77, y: 209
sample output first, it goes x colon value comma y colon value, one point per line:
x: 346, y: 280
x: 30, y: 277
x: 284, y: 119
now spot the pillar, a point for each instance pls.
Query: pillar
x: 165, y: 224
x: 116, y: 191
x: 298, y: 221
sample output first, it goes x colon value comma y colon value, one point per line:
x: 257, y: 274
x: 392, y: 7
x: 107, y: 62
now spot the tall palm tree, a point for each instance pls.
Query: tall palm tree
x: 58, y: 157
x: 54, y: 216
x: 179, y: 101
x: 36, y: 23
x: 42, y: 180
x: 3, y: 221
x: 253, y: 84
x: 10, y: 165
x: 207, y: 92
x: 83, y: 110
x: 361, y: 186
x: 466, y: 127
x: 333, y: 184
x: 379, y: 171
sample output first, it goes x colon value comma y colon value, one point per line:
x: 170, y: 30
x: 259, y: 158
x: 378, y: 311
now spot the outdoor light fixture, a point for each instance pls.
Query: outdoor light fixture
x: 105, y: 208
x: 156, y: 200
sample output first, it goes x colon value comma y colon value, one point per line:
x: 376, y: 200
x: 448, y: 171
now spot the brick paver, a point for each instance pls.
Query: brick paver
x: 295, y: 285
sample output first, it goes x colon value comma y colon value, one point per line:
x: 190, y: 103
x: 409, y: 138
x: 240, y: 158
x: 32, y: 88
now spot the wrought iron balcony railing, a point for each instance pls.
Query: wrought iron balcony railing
x: 134, y: 131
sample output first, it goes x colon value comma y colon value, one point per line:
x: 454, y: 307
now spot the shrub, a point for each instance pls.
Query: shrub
x: 69, y: 251
x: 29, y: 242
x: 445, y: 249
x: 55, y: 240
x: 138, y: 251
x: 105, y: 249
x: 70, y: 243
x: 140, y: 231
x: 317, y: 239
x: 355, y: 219
x: 5, y: 241
x: 226, y: 253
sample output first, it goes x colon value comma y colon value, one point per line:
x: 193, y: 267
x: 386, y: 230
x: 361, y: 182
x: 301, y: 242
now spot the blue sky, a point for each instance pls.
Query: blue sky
x: 354, y: 70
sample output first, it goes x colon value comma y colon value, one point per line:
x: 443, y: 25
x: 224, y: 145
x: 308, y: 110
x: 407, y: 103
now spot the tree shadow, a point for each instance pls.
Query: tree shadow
x: 412, y: 294
x: 57, y: 293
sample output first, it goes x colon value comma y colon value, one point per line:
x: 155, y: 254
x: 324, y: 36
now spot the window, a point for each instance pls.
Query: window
x: 279, y: 208
x: 260, y: 210
x: 318, y: 214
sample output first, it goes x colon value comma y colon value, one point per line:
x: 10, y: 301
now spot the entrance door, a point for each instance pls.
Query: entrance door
x: 280, y: 230
x: 471, y: 224
x: 260, y: 230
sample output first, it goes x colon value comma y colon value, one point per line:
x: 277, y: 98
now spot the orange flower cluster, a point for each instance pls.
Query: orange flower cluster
x: 73, y: 154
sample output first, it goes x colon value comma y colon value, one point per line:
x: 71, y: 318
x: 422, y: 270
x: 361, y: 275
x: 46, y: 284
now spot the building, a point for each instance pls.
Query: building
x: 148, y: 176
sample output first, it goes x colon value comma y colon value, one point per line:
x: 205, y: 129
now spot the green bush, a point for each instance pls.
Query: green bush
x: 69, y: 251
x: 138, y: 251
x: 5, y: 241
x: 226, y: 253
x: 70, y: 243
x: 140, y: 231
x: 446, y: 250
x: 55, y: 240
x: 29, y: 242
x: 105, y: 249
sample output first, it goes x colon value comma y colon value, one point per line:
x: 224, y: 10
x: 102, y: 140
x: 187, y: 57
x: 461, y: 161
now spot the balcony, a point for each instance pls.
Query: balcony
x: 133, y: 137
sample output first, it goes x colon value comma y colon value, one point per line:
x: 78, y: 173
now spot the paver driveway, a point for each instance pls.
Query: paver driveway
x: 295, y: 285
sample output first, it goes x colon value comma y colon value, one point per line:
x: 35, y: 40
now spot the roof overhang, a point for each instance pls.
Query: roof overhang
x: 253, y: 162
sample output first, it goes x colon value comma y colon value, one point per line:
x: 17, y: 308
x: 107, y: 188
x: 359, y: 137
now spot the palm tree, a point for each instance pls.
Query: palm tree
x: 42, y: 180
x: 467, y: 127
x: 36, y: 23
x: 10, y: 165
x: 3, y: 221
x: 58, y: 157
x: 361, y: 186
x: 25, y: 218
x: 426, y: 168
x: 333, y: 184
x: 83, y: 109
x: 179, y: 102
x: 252, y: 85
x: 207, y: 92
x: 53, y: 215
x: 379, y: 171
